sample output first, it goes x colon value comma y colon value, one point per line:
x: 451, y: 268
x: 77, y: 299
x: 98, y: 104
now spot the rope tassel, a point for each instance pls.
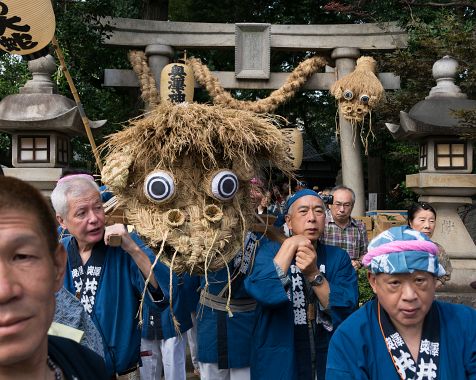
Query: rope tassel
x: 358, y: 93
x: 360, y: 85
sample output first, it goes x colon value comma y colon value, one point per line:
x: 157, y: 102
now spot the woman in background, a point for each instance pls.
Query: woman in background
x: 422, y: 217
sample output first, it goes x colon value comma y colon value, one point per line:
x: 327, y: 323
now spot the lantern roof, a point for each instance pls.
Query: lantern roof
x: 435, y: 114
x: 38, y: 106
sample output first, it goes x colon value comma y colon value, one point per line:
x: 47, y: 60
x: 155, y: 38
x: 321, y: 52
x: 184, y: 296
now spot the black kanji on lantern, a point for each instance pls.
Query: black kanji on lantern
x: 17, y: 41
x: 177, y: 84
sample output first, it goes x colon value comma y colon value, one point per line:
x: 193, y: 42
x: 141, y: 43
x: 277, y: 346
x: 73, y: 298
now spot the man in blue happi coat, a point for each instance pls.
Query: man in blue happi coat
x: 404, y: 333
x: 304, y: 290
x: 109, y: 280
x: 224, y: 327
x: 163, y: 335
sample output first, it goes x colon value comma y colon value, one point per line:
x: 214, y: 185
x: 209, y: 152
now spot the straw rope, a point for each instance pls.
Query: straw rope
x: 283, y: 94
x: 147, y: 83
x: 147, y: 281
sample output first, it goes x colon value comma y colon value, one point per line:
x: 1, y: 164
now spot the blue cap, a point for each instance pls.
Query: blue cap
x: 297, y: 195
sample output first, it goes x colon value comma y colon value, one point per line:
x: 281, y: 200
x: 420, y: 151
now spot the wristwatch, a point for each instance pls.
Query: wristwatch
x: 318, y: 280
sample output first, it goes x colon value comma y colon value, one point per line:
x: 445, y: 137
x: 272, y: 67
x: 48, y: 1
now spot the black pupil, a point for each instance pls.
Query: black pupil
x: 158, y: 189
x: 227, y: 186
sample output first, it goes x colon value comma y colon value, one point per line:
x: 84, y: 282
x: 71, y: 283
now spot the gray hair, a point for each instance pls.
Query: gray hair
x: 72, y: 186
x: 342, y: 187
x: 289, y: 211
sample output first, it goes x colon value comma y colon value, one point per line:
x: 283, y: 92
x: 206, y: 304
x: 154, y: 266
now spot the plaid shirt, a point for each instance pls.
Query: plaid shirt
x: 352, y: 238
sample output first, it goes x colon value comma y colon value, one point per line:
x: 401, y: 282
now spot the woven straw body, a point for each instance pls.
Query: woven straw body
x: 192, y: 142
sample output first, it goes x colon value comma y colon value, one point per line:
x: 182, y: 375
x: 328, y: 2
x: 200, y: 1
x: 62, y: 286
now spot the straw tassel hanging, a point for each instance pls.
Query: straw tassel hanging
x: 358, y: 93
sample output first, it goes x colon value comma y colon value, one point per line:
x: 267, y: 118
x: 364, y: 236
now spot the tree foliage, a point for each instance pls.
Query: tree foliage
x: 435, y: 29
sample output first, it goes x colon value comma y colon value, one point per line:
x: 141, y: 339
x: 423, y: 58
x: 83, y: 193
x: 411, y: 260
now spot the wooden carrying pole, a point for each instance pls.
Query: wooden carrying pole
x: 74, y: 91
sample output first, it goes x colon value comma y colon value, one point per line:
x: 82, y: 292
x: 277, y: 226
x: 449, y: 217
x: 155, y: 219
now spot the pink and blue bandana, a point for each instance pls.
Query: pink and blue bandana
x: 402, y: 250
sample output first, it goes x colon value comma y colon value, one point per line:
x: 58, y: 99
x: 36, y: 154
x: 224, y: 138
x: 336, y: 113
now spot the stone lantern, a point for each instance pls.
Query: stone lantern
x: 41, y: 123
x: 446, y: 162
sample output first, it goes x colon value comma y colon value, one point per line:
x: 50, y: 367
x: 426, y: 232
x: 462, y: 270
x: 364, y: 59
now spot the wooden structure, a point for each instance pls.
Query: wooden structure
x: 253, y: 43
x: 446, y: 164
x: 41, y: 123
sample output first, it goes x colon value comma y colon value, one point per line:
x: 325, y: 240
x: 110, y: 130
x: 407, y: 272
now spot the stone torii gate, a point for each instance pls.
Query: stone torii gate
x: 253, y: 43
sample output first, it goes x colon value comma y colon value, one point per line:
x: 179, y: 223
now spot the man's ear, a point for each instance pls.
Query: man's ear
x: 287, y: 218
x: 372, y: 278
x: 59, y: 262
x: 60, y: 220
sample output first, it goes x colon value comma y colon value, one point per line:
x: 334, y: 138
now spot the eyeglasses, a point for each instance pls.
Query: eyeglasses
x: 339, y: 205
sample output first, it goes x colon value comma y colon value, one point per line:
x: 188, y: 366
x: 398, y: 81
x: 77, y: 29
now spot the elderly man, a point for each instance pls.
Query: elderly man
x: 108, y: 280
x: 342, y: 230
x: 404, y: 333
x: 32, y: 266
x: 304, y: 290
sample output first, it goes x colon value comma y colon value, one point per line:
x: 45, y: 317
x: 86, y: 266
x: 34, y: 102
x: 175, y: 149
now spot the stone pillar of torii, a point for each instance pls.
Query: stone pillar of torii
x: 253, y: 43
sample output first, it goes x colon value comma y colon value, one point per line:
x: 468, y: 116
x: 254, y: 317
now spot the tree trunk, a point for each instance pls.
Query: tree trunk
x: 156, y: 10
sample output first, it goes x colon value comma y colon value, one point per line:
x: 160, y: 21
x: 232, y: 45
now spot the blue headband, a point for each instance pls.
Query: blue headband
x: 297, y: 195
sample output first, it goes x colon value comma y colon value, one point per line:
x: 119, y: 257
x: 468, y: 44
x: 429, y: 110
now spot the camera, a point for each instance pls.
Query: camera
x: 328, y: 199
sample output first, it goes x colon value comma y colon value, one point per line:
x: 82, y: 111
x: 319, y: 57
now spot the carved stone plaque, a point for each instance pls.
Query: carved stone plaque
x: 252, y: 50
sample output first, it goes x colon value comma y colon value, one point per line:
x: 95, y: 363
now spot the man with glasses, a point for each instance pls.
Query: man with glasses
x: 344, y: 231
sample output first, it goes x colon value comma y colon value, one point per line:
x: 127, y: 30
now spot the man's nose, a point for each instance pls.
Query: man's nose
x: 9, y: 285
x: 311, y: 215
x: 92, y: 217
x: 408, y: 292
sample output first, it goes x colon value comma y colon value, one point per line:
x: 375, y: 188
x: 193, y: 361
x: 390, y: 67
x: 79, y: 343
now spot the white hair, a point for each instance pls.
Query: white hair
x: 71, y: 186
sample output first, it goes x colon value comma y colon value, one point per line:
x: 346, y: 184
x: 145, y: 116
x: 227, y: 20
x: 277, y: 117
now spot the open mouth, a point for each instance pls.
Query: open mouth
x: 95, y: 231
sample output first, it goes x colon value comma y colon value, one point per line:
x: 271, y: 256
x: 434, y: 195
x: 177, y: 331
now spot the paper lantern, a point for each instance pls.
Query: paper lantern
x: 26, y: 26
x: 176, y: 83
x: 295, y: 146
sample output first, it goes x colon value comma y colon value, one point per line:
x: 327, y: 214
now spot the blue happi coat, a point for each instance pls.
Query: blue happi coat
x: 358, y: 351
x: 273, y: 351
x: 117, y: 302
x: 159, y: 324
x: 232, y: 338
x: 191, y: 289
